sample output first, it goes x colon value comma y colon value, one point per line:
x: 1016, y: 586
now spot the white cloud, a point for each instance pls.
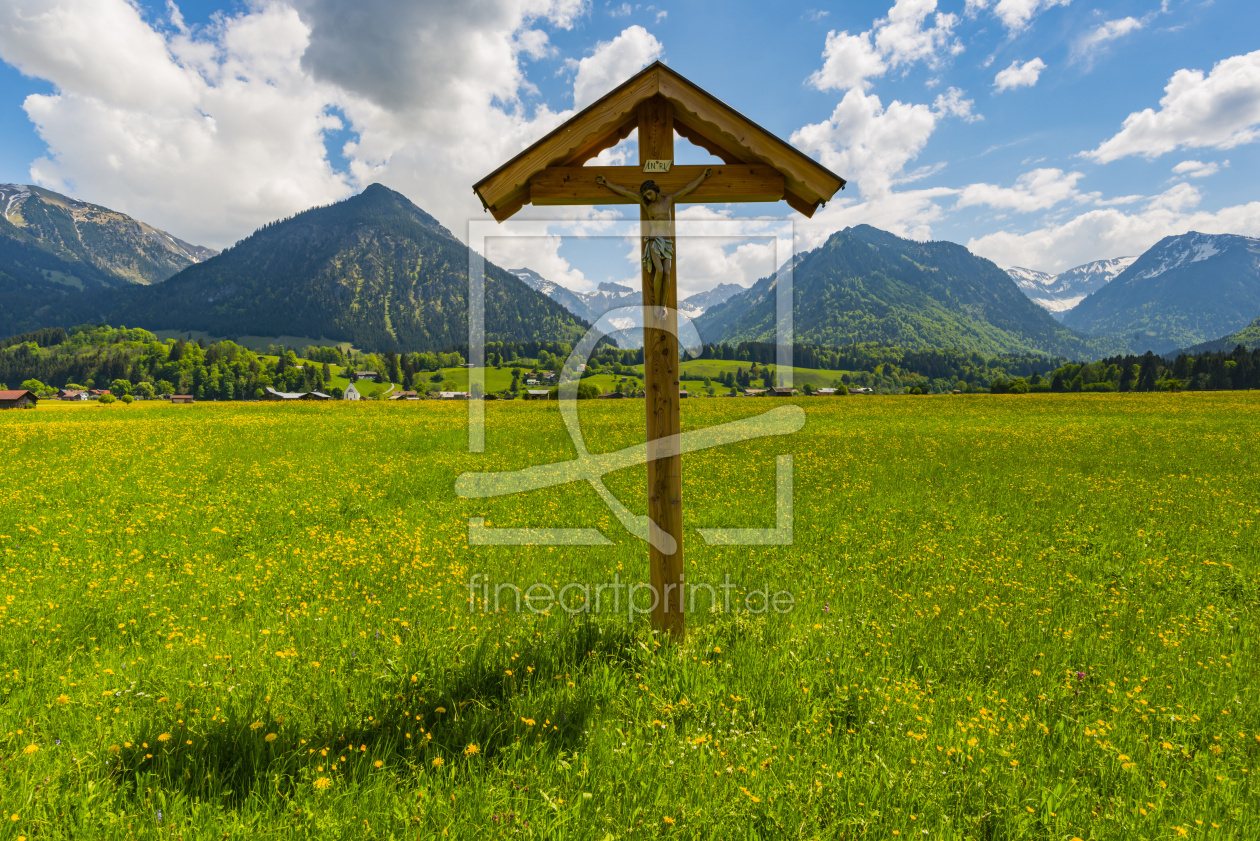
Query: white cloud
x: 904, y: 37
x: 211, y: 132
x: 848, y: 62
x: 540, y: 253
x: 704, y: 262
x: 1014, y: 14
x: 866, y: 142
x: 952, y: 104
x: 1088, y: 46
x: 907, y: 213
x: 1198, y: 169
x: 1019, y: 75
x: 612, y: 63
x: 1219, y: 110
x: 1110, y: 232
x: 1040, y: 189
x: 206, y: 138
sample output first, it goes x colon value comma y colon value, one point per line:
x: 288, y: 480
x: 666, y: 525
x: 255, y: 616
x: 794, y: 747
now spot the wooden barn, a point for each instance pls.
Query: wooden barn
x: 181, y: 398
x: 18, y: 399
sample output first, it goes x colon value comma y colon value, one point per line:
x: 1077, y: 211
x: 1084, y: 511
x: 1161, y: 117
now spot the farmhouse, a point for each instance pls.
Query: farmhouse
x: 99, y: 392
x: 611, y: 395
x: 73, y: 395
x: 181, y: 398
x: 404, y: 395
x: 18, y: 399
x: 783, y: 391
x: 453, y: 395
x: 365, y: 375
x: 682, y: 392
x: 825, y: 392
x: 754, y: 392
x: 537, y: 394
x: 270, y: 393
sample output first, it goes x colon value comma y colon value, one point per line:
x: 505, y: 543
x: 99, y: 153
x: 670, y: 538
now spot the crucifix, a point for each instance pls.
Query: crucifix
x: 756, y: 167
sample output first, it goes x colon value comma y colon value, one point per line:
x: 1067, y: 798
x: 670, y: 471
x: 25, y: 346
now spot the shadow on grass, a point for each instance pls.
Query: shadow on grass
x: 485, y: 700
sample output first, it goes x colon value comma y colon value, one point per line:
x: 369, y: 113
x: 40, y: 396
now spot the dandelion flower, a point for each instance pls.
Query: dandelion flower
x: 440, y: 710
x: 322, y: 783
x: 437, y: 762
x: 377, y: 764
x: 668, y: 820
x: 472, y: 749
x: 270, y: 737
x: 256, y: 725
x: 28, y: 750
x: 165, y: 737
x: 63, y: 699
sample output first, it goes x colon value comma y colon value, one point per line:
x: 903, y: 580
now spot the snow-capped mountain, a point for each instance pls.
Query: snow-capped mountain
x: 571, y: 301
x: 1060, y: 293
x: 610, y: 296
x: 1186, y: 289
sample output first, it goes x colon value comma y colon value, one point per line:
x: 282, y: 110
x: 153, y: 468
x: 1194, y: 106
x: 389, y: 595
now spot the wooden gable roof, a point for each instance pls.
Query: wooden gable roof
x: 699, y: 118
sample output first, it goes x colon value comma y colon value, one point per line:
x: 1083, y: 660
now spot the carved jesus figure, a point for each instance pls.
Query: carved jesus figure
x: 658, y: 248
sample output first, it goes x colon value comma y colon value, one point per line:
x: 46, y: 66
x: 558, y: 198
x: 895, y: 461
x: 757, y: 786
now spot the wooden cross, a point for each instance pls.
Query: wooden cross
x: 757, y: 166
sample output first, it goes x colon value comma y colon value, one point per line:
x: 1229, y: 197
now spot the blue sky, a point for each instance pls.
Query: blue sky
x: 1042, y: 133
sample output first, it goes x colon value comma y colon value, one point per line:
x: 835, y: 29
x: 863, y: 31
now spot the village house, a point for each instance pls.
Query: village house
x: 404, y: 395
x: 73, y: 395
x: 18, y: 399
x: 825, y: 392
x: 537, y: 394
x: 365, y: 375
x: 611, y: 395
x: 98, y: 392
x: 783, y: 391
x: 182, y: 398
x: 270, y: 393
x: 453, y: 395
x: 754, y: 392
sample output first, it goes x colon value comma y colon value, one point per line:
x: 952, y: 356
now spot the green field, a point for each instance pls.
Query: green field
x: 1015, y: 617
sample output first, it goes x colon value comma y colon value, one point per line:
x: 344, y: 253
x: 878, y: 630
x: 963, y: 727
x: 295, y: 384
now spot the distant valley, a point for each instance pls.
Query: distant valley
x: 380, y: 273
x: 589, y: 306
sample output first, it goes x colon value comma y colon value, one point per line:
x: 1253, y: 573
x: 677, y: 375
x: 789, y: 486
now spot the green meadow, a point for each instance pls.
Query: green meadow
x: 1011, y: 617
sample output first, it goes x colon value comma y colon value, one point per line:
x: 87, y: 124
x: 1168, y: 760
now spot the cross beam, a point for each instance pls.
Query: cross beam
x: 558, y: 185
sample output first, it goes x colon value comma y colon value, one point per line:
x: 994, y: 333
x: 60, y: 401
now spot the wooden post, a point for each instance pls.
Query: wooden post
x: 660, y: 380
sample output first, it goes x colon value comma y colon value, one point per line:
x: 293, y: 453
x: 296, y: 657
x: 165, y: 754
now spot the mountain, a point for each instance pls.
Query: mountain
x: 1059, y: 293
x: 53, y: 248
x: 589, y: 306
x: 374, y: 270
x: 867, y: 285
x: 694, y: 306
x: 1248, y: 337
x: 1184, y: 290
x: 571, y: 301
